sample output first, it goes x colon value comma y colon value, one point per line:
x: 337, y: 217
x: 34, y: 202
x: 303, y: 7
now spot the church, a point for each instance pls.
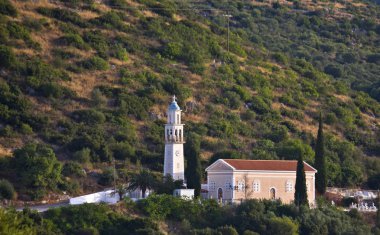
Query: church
x: 234, y: 180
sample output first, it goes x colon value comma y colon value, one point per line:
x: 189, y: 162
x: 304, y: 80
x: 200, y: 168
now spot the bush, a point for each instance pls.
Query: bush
x: 7, y: 57
x: 95, y: 63
x: 7, y: 8
x: 82, y: 156
x: 74, y: 40
x: 63, y: 15
x: 88, y: 116
x: 6, y: 190
x: 119, y: 52
x: 123, y: 151
x: 107, y: 177
x: 73, y: 169
x: 121, y: 4
x: 333, y: 70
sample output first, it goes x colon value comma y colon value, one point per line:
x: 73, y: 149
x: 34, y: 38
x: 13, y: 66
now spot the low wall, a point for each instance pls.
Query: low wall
x: 104, y: 196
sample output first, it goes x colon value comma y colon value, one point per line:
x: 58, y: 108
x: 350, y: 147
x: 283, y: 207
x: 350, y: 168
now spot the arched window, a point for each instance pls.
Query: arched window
x: 178, y: 118
x: 176, y: 135
x: 220, y: 194
x: 180, y: 135
x: 289, y: 186
x: 272, y: 193
x: 256, y: 186
x: 241, y: 185
x: 308, y: 186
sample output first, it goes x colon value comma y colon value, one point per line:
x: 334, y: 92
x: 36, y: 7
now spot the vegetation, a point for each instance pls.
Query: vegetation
x: 6, y: 190
x: 300, y: 194
x: 320, y: 161
x: 92, y: 85
x: 144, y: 180
x: 157, y: 213
x: 193, y: 171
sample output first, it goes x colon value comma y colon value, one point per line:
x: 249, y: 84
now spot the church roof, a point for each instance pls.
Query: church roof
x: 174, y: 106
x: 266, y: 165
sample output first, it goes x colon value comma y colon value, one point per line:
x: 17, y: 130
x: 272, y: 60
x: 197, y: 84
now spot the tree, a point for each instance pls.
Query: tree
x: 320, y: 161
x: 37, y: 167
x: 193, y: 170
x: 300, y: 195
x: 143, y: 180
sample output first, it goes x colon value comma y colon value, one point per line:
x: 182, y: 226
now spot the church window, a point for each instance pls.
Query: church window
x: 241, y: 185
x: 256, y: 186
x: 308, y: 186
x: 289, y: 186
x: 178, y: 118
x: 211, y: 186
x: 228, y: 186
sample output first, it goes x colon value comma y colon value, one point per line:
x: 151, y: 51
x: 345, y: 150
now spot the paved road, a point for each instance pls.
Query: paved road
x: 45, y: 207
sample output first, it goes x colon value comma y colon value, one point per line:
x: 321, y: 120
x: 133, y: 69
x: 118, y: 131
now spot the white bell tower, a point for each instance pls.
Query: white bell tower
x: 174, y: 158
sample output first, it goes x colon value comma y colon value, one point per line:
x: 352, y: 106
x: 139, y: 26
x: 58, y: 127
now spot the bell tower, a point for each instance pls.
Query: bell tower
x: 174, y: 158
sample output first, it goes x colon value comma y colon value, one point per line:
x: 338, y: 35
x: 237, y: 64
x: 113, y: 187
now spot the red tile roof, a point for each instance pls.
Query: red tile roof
x: 266, y: 165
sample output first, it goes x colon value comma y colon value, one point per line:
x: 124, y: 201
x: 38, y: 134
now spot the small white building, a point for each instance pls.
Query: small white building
x: 184, y: 193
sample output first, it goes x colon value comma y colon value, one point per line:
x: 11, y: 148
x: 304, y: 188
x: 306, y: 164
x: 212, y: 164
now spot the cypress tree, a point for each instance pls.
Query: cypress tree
x: 320, y: 161
x: 193, y: 171
x: 300, y: 194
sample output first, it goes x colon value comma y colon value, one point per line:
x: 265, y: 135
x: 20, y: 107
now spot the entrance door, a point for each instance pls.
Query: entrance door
x: 220, y: 194
x: 272, y: 193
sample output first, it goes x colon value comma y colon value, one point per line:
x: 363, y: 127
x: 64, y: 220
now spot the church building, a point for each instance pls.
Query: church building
x: 233, y: 180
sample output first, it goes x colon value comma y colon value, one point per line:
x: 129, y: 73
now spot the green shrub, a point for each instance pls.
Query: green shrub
x: 107, y: 177
x: 73, y: 169
x: 6, y: 190
x: 26, y: 129
x: 7, y: 8
x: 123, y: 151
x: 111, y: 20
x: 333, y: 70
x: 74, y: 40
x: 119, y: 52
x: 7, y: 57
x: 88, y: 116
x: 120, y: 4
x: 98, y: 41
x: 82, y: 156
x: 95, y: 63
x: 63, y: 15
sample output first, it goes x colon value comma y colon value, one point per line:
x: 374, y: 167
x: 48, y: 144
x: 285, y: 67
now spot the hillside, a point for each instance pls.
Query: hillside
x: 91, y: 80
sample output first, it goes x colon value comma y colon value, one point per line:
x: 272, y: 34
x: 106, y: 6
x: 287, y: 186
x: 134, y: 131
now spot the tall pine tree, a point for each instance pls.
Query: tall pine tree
x: 300, y: 195
x: 193, y: 172
x: 320, y: 161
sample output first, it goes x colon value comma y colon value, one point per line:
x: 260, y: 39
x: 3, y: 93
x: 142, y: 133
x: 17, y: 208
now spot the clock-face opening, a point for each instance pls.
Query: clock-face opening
x: 177, y: 153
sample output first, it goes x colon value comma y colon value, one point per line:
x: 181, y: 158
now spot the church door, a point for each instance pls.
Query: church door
x: 220, y: 194
x: 272, y: 193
